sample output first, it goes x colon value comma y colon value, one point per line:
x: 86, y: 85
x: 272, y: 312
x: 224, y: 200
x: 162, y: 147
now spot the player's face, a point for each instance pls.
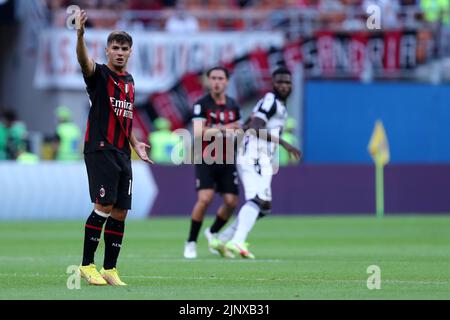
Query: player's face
x: 118, y: 54
x: 217, y: 81
x: 282, y: 84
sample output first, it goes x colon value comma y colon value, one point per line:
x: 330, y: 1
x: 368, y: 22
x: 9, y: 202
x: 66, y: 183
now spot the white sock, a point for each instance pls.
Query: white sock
x: 102, y: 214
x: 228, y: 233
x: 247, y: 218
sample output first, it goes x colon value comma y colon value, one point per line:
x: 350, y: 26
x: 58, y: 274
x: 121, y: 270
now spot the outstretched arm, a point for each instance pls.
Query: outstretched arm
x: 86, y: 63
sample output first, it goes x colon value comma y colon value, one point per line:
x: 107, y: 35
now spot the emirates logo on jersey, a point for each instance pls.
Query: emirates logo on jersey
x: 122, y: 108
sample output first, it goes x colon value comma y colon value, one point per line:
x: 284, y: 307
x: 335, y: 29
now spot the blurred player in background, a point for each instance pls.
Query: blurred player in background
x: 255, y: 161
x: 107, y: 150
x: 67, y: 136
x: 212, y: 114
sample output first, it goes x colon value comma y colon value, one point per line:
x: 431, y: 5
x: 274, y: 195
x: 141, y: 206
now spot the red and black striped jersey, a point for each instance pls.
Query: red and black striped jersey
x: 207, y: 109
x: 216, y: 114
x: 110, y: 120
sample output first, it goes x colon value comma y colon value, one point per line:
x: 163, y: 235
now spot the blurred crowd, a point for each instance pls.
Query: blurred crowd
x: 216, y: 4
x: 192, y: 15
x: 14, y: 140
x: 17, y: 143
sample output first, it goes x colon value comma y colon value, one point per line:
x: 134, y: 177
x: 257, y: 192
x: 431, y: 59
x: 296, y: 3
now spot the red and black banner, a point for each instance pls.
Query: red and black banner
x: 326, y: 55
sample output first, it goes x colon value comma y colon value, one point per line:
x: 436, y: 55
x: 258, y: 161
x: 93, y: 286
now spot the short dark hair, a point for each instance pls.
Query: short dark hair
x: 281, y: 70
x: 225, y: 70
x: 120, y: 37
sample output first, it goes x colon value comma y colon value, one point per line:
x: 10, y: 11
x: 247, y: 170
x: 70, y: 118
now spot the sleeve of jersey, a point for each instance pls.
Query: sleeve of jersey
x: 91, y: 81
x: 267, y: 108
x: 198, y: 112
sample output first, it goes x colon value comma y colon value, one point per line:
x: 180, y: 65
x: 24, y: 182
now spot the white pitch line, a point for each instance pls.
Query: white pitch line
x: 150, y: 260
x: 412, y: 282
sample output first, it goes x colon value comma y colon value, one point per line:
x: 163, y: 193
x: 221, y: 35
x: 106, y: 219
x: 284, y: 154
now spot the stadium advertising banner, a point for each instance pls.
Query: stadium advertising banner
x: 158, y: 59
x: 349, y: 54
x: 326, y: 55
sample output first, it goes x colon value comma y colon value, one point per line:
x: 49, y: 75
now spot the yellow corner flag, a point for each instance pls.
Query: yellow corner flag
x: 379, y: 145
x: 379, y: 150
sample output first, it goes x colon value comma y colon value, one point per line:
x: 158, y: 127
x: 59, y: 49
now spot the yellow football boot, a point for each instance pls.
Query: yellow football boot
x: 112, y: 277
x: 91, y: 275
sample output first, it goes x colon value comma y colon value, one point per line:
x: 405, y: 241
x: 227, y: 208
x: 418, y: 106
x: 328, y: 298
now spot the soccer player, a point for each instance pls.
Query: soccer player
x: 215, y: 113
x: 107, y: 151
x: 255, y: 160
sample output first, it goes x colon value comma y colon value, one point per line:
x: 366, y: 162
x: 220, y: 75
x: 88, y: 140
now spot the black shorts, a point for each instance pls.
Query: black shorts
x: 110, y: 178
x: 221, y: 177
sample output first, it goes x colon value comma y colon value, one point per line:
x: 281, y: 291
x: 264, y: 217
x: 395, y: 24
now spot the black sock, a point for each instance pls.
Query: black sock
x: 195, y: 229
x: 218, y: 224
x: 113, y: 242
x: 92, y: 233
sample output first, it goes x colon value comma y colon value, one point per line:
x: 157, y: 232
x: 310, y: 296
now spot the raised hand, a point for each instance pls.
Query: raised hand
x: 80, y: 22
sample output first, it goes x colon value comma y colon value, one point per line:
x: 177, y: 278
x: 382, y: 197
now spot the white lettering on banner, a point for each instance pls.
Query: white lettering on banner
x: 375, y: 50
x: 347, y: 53
x: 157, y: 60
x: 408, y: 54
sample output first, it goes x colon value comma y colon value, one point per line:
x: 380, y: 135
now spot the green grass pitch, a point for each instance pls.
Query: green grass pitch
x: 323, y: 257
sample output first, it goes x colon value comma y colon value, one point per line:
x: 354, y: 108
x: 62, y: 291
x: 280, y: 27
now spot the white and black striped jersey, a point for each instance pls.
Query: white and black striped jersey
x: 273, y: 111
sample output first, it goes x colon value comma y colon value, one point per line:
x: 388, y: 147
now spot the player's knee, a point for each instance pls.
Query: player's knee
x: 231, y: 203
x: 104, y: 208
x: 205, y: 200
x: 119, y: 214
